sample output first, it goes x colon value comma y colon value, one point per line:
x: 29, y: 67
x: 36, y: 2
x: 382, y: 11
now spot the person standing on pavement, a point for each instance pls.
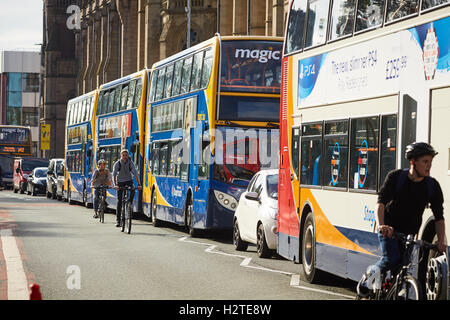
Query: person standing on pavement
x: 123, y: 172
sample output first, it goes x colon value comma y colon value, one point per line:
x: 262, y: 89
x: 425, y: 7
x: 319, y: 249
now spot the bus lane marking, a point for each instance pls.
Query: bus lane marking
x: 16, y: 278
x: 295, y: 278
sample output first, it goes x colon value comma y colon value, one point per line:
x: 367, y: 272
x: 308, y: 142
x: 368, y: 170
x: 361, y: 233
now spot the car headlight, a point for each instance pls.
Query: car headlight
x: 226, y: 200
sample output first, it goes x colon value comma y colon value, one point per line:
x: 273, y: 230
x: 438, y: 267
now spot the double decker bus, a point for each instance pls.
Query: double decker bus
x: 212, y: 114
x: 14, y: 141
x: 120, y: 125
x: 361, y: 80
x: 79, y: 155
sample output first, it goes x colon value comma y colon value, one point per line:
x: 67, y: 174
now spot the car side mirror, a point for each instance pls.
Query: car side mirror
x: 252, y: 196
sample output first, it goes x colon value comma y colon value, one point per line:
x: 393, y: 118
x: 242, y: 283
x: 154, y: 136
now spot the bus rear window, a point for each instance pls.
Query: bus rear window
x: 251, y: 66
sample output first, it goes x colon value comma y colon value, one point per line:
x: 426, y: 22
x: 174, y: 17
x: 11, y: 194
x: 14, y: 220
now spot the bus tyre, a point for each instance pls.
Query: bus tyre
x: 310, y: 272
x: 239, y: 244
x: 156, y: 223
x: 189, y: 214
x: 69, y: 197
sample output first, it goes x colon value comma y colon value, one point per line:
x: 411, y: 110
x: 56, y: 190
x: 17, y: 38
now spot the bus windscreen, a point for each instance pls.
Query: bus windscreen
x: 251, y: 66
x: 14, y: 135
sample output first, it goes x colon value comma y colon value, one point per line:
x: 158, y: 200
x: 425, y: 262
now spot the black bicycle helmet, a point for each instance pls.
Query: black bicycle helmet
x: 418, y: 149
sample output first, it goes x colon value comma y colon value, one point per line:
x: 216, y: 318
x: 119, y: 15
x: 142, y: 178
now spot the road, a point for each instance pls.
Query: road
x: 75, y: 257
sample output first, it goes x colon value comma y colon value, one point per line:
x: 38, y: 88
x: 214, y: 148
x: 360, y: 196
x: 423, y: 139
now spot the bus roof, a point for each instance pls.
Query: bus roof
x: 82, y: 96
x: 211, y: 41
x: 123, y: 79
x: 14, y: 126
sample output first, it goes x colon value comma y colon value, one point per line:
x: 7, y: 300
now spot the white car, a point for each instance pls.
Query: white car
x: 255, y: 217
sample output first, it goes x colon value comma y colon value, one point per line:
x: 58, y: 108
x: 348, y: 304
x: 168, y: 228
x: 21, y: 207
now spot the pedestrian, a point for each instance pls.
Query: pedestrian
x: 123, y: 172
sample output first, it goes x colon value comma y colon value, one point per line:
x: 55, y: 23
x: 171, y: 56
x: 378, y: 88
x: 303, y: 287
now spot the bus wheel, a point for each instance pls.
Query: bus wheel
x: 189, y: 217
x: 312, y: 274
x: 155, y: 221
x: 69, y: 197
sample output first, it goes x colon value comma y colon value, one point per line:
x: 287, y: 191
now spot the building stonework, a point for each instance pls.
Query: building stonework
x: 115, y: 38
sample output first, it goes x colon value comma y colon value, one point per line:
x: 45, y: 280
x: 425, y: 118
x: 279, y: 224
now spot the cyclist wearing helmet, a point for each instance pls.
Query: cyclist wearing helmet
x: 101, y: 177
x: 401, y: 202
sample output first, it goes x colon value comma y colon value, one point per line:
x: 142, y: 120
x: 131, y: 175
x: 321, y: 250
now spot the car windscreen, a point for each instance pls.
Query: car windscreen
x: 29, y: 165
x: 40, y: 173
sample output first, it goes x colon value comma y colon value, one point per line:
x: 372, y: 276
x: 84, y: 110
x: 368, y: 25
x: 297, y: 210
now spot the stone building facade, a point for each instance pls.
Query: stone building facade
x: 113, y: 38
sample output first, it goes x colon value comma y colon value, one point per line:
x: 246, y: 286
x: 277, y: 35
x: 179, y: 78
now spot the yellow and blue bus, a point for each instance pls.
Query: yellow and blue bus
x: 120, y: 125
x: 209, y: 109
x: 361, y: 81
x: 79, y: 155
x: 14, y: 141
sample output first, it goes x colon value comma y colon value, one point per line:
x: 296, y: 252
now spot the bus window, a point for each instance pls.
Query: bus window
x: 117, y: 98
x: 317, y: 24
x: 160, y: 84
x: 295, y: 27
x: 388, y: 145
x: 137, y: 93
x: 342, y: 17
x: 335, y: 154
x: 369, y: 14
x: 130, y: 104
x: 311, y: 155
x: 207, y: 67
x: 295, y: 149
x: 155, y: 159
x: 151, y: 96
x: 163, y: 158
x: 197, y: 71
x: 187, y: 68
x: 176, y: 86
x: 364, y: 153
x: 123, y: 104
x: 397, y: 9
x: 83, y: 110
x: 168, y: 81
x: 427, y: 4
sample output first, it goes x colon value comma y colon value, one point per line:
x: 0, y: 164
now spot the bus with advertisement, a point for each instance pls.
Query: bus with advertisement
x: 120, y: 125
x: 212, y: 123
x: 79, y: 155
x: 15, y: 141
x: 361, y: 80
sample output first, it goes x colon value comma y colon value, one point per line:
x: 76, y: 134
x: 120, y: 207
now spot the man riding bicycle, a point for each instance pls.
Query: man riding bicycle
x: 401, y: 202
x: 123, y: 172
x: 101, y: 177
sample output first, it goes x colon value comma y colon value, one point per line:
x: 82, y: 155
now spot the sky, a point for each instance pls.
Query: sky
x: 20, y: 24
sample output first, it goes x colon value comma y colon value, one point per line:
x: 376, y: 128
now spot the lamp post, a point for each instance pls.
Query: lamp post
x: 188, y: 36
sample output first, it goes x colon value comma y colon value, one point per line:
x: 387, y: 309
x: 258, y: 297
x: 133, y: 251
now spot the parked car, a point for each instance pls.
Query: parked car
x: 60, y: 182
x: 52, y: 177
x: 22, y: 168
x: 37, y: 181
x: 255, y: 216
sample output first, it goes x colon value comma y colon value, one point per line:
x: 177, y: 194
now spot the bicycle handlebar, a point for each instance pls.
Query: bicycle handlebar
x: 404, y: 238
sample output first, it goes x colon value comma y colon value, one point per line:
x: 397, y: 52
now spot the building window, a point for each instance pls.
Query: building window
x: 30, y: 82
x: 29, y: 117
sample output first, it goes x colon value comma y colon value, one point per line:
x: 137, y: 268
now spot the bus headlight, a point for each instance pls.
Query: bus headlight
x: 226, y: 200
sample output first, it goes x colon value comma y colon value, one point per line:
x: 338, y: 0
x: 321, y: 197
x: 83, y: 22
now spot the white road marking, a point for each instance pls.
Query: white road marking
x: 16, y: 277
x: 295, y: 278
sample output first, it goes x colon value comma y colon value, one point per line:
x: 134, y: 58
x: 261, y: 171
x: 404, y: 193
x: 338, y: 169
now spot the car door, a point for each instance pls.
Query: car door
x: 251, y: 211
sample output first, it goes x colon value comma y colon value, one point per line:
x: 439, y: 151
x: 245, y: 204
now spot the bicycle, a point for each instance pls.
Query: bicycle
x: 102, y: 203
x: 126, y: 213
x: 403, y: 285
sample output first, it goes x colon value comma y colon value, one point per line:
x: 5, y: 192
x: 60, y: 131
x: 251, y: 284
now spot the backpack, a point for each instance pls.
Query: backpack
x: 402, y: 179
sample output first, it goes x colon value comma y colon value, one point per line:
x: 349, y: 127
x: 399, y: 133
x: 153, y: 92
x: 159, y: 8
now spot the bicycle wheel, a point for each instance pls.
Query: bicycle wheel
x: 101, y: 212
x: 122, y: 217
x: 407, y: 289
x: 128, y: 218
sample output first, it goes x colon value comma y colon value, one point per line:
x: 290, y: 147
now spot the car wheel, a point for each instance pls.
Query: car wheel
x: 262, y: 249
x: 239, y: 244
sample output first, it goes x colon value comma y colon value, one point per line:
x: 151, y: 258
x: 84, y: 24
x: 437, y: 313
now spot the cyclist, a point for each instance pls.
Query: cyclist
x: 101, y: 177
x: 123, y: 172
x: 400, y: 206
